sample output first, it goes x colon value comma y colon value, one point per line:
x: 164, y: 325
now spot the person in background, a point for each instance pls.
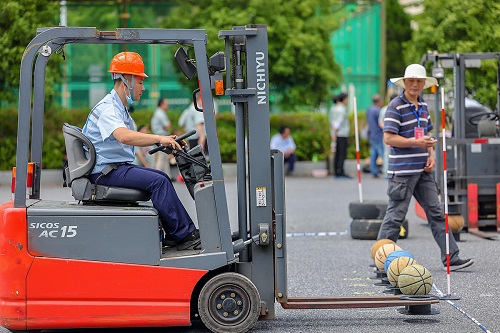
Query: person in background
x: 160, y: 125
x: 406, y: 129
x: 375, y: 134
x: 142, y: 156
x: 283, y: 142
x: 192, y: 119
x: 110, y: 128
x: 381, y: 118
x: 340, y: 128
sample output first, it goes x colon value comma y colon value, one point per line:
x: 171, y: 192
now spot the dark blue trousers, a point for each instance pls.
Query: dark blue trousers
x: 175, y: 219
x: 290, y: 160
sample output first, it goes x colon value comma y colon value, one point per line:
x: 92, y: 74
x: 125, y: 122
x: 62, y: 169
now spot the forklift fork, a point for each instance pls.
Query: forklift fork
x: 416, y: 305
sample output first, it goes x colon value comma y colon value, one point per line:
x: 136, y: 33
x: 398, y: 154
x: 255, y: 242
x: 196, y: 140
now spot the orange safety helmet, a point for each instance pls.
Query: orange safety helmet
x: 127, y: 63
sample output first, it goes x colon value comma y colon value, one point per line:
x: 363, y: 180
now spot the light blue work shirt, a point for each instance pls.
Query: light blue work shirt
x: 339, y: 120
x: 283, y: 145
x: 189, y: 120
x: 108, y: 115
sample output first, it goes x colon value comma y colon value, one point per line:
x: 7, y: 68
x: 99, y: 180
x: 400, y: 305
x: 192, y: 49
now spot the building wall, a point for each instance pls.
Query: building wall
x: 358, y: 49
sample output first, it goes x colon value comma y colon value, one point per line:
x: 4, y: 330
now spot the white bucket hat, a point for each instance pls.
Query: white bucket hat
x: 415, y: 71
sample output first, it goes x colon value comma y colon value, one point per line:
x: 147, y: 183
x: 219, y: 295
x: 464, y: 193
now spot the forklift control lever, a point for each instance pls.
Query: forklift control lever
x: 160, y: 147
x: 185, y: 135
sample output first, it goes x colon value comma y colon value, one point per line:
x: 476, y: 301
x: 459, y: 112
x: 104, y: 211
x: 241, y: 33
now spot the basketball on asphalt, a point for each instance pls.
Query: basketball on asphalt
x: 394, y: 255
x: 382, y: 253
x: 415, y: 280
x: 455, y: 222
x: 395, y: 268
x: 377, y: 245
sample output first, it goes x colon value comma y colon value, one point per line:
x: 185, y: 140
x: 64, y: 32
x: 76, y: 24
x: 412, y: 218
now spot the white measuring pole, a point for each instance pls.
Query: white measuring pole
x: 356, y: 135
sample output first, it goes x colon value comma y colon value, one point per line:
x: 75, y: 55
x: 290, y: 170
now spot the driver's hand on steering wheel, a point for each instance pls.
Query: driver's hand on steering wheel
x: 166, y: 140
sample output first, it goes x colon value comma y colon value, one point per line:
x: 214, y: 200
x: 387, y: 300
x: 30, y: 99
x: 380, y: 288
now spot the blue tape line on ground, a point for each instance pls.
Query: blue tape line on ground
x: 316, y: 234
x: 481, y: 326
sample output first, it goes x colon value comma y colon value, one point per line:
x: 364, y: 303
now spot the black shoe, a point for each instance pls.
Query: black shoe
x: 168, y: 242
x: 190, y: 242
x: 460, y: 264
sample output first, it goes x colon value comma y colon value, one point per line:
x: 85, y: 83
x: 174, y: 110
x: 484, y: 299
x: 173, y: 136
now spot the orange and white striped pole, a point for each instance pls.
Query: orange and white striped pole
x: 356, y: 135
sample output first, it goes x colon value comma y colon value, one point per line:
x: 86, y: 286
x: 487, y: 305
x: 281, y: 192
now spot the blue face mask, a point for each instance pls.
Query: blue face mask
x: 129, y: 98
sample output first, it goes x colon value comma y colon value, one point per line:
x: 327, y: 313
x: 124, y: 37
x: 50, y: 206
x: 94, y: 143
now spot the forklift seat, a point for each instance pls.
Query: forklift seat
x: 487, y: 129
x: 81, y: 158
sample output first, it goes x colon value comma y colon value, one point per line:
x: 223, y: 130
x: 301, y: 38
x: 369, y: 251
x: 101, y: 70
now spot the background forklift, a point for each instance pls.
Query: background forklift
x: 473, y: 151
x: 97, y: 261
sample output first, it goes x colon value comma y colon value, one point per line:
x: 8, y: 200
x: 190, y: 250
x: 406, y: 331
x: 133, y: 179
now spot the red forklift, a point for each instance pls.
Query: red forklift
x: 96, y: 259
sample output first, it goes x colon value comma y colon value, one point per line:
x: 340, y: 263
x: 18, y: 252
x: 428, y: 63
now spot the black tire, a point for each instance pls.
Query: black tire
x: 229, y: 302
x: 369, y: 228
x: 368, y: 210
x: 365, y: 228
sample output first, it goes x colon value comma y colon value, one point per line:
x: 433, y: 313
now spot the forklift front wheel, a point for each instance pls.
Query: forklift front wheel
x: 229, y: 302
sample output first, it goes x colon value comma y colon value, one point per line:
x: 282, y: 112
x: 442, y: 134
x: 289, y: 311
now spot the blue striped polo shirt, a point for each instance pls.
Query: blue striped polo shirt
x: 401, y: 118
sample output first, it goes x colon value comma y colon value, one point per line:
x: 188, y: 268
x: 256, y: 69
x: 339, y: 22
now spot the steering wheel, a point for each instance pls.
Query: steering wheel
x: 485, y: 115
x: 169, y: 148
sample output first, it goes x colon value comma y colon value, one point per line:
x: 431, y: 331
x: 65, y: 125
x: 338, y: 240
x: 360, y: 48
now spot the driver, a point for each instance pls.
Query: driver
x: 113, y: 133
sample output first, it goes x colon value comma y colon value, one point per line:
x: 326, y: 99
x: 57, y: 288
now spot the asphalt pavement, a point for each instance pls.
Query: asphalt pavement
x: 337, y: 265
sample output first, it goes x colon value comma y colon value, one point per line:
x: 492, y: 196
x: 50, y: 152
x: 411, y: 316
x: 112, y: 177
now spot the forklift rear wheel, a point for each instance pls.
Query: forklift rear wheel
x: 229, y: 302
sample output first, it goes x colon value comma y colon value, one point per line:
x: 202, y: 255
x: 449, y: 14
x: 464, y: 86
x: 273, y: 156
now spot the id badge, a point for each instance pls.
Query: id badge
x: 419, y: 132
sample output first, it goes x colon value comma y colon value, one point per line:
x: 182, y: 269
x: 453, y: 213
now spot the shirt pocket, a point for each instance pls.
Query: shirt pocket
x: 397, y: 188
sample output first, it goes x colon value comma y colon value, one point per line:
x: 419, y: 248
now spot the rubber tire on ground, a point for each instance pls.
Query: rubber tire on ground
x: 369, y: 228
x: 368, y: 209
x: 229, y: 302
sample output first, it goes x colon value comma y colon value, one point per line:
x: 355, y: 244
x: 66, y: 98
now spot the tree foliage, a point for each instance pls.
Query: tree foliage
x: 398, y: 31
x: 302, y: 68
x: 20, y: 19
x: 464, y: 27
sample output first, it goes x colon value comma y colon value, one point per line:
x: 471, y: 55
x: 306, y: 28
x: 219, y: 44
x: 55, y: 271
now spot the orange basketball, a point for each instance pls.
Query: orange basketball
x: 455, y: 222
x: 377, y: 245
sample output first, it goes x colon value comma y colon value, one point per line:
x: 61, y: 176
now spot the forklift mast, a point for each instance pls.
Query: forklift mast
x: 247, y: 82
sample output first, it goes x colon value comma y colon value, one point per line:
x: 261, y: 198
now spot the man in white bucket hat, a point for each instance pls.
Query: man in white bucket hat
x: 415, y: 71
x: 407, y: 125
